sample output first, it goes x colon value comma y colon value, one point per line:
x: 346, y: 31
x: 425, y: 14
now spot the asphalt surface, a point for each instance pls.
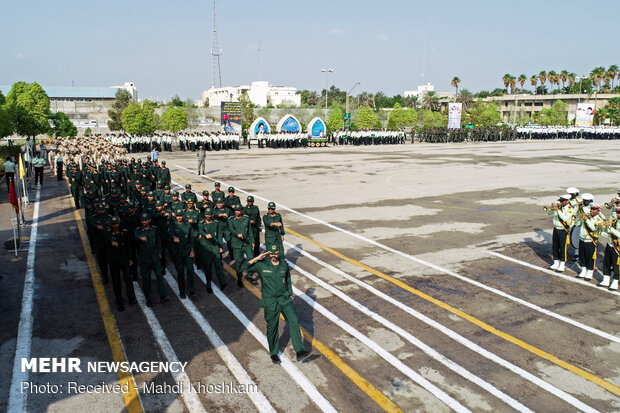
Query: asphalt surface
x: 422, y: 277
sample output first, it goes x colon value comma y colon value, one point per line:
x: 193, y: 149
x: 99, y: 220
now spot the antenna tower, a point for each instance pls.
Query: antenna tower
x: 216, y: 52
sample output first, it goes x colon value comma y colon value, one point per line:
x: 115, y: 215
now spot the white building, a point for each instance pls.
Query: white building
x: 422, y: 89
x: 261, y: 93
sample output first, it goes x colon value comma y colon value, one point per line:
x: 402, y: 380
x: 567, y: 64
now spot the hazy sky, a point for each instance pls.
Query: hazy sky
x: 164, y: 46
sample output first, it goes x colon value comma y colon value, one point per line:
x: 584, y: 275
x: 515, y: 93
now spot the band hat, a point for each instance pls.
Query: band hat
x: 572, y: 190
x: 587, y: 197
x: 594, y: 206
x: 565, y: 197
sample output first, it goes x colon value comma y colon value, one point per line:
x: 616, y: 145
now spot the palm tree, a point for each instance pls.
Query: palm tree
x: 512, y: 82
x: 506, y: 80
x: 534, y: 82
x: 553, y: 79
x: 455, y: 82
x: 466, y: 98
x: 522, y: 79
x: 597, y: 75
x: 564, y: 77
x: 612, y: 72
x: 571, y: 80
x: 430, y: 101
x: 542, y: 77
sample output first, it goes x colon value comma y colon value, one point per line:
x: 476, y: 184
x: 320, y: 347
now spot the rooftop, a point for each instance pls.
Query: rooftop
x: 73, y: 92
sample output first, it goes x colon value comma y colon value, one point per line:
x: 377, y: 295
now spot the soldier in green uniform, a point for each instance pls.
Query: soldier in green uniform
x: 119, y: 259
x: 210, y: 246
x: 217, y: 194
x: 164, y: 174
x: 181, y: 237
x: 240, y: 241
x: 221, y: 215
x: 205, y: 202
x: 159, y: 219
x: 176, y: 203
x: 276, y: 299
x: 76, y: 179
x: 253, y: 213
x: 232, y: 199
x: 98, y: 223
x: 188, y: 195
x: 274, y: 227
x: 149, y: 256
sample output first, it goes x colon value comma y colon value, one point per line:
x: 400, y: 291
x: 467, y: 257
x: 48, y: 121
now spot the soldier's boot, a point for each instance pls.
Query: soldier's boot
x: 589, y: 274
x: 605, y: 281
x: 555, y: 265
x: 582, y: 273
x: 561, y: 267
x: 614, y: 285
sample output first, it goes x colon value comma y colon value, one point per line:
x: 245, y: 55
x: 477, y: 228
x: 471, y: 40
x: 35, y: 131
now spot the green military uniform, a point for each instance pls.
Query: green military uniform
x: 181, y: 252
x: 205, y: 202
x: 189, y: 196
x: 273, y: 233
x: 231, y: 200
x: 210, y: 245
x: 276, y: 292
x: 119, y: 245
x: 217, y: 194
x: 149, y: 251
x: 240, y: 241
x: 98, y: 223
x: 76, y: 179
x: 253, y: 213
x: 221, y: 215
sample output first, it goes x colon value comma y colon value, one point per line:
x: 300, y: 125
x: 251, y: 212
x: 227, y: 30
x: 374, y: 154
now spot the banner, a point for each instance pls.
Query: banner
x: 584, y: 114
x: 454, y: 115
x: 13, y: 197
x: 231, y: 116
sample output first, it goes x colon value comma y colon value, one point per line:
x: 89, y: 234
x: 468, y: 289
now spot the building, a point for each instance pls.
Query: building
x: 514, y: 107
x: 83, y: 104
x: 261, y: 93
x: 422, y: 89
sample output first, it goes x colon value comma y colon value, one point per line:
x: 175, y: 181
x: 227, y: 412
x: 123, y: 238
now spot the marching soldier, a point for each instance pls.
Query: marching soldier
x: 188, y: 195
x: 232, y: 199
x: 119, y: 260
x: 210, y: 245
x: 221, y: 215
x: 612, y: 253
x: 240, y: 241
x: 98, y: 223
x: 200, y: 156
x: 253, y: 213
x: 276, y: 299
x: 217, y: 193
x: 591, y: 228
x: 149, y: 256
x: 181, y: 235
x: 205, y: 202
x: 563, y: 218
x: 274, y: 227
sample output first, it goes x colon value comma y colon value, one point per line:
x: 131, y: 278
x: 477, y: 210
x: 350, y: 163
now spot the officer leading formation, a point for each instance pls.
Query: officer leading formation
x: 579, y: 217
x: 135, y: 222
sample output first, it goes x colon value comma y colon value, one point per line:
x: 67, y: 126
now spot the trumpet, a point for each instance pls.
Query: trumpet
x: 609, y: 204
x: 610, y: 222
x: 553, y: 205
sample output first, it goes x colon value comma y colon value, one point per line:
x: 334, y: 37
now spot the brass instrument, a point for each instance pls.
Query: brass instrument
x: 609, y: 204
x: 553, y: 205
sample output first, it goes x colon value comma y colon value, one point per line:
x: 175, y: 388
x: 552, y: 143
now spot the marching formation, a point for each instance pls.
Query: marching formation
x: 443, y: 135
x: 568, y: 132
x: 579, y: 217
x: 368, y: 137
x: 135, y: 222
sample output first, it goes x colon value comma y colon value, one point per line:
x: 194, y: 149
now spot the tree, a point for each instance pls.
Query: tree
x: 534, y: 82
x: 498, y: 91
x: 430, y: 101
x: 564, y: 75
x: 123, y: 98
x: 29, y: 107
x: 612, y: 72
x: 400, y: 118
x: 411, y: 102
x: 553, y: 78
x: 455, y: 84
x: 88, y: 132
x: 174, y: 119
x: 430, y: 119
x: 366, y: 118
x: 512, y: 82
x: 555, y: 116
x: 176, y: 101
x: 597, y: 75
x: 465, y: 98
x: 62, y: 125
x: 542, y: 77
x: 6, y: 126
x: 506, y: 80
x: 247, y: 113
x: 522, y: 79
x: 335, y: 121
x: 483, y: 114
x: 140, y: 119
x: 610, y: 111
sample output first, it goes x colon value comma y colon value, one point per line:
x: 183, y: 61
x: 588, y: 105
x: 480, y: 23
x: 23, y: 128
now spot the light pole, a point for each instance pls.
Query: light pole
x: 327, y: 72
x: 348, y: 93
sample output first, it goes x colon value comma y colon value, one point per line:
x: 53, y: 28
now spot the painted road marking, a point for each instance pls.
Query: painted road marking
x: 18, y: 400
x: 242, y: 376
x: 132, y: 397
x: 452, y: 334
x: 189, y: 394
x: 532, y: 349
x: 306, y: 385
x: 551, y: 272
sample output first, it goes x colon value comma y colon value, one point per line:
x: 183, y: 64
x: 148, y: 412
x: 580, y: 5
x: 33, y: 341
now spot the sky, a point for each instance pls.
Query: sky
x: 390, y: 46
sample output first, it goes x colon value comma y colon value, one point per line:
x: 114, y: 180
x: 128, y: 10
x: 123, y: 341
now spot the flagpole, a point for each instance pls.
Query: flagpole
x: 15, y: 220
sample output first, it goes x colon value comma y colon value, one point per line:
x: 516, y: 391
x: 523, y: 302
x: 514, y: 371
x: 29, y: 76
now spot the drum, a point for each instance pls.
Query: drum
x: 574, y: 236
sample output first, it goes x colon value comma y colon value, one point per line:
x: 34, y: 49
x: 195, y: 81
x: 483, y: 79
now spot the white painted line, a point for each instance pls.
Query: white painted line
x: 242, y: 376
x: 189, y: 394
x: 452, y: 334
x: 415, y: 341
x: 551, y: 272
x: 438, y: 268
x: 18, y: 400
x: 305, y: 384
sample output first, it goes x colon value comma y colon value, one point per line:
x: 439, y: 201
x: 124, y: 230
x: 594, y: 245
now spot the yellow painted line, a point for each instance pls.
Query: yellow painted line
x: 131, y: 398
x: 364, y: 385
x: 574, y: 369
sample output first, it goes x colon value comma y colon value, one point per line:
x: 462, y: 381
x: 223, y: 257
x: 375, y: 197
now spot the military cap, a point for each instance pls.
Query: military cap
x: 188, y: 186
x: 189, y: 201
x: 175, y: 193
x: 205, y: 193
x: 238, y: 207
x: 220, y: 201
x: 274, y: 250
x: 114, y: 220
x: 132, y: 204
x: 588, y: 197
x: 178, y: 211
x: 144, y: 216
x: 217, y: 184
x: 231, y: 189
x: 163, y: 162
x: 250, y: 198
x: 123, y: 197
x: 151, y: 193
x: 159, y: 202
x: 594, y: 206
x: 572, y: 190
x: 160, y: 183
x: 100, y: 207
x: 115, y: 191
x: 564, y: 197
x: 208, y: 211
x: 271, y: 205
x: 167, y: 187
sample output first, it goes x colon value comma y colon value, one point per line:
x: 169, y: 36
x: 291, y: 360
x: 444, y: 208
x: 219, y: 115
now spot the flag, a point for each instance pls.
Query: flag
x: 13, y: 197
x: 22, y: 171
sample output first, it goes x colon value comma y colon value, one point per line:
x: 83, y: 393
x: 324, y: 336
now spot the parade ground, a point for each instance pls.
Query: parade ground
x: 421, y: 280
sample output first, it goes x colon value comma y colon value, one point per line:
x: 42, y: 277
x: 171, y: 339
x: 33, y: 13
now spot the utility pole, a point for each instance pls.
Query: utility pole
x: 216, y: 52
x: 327, y: 72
